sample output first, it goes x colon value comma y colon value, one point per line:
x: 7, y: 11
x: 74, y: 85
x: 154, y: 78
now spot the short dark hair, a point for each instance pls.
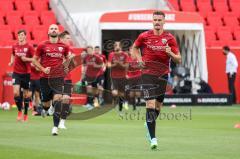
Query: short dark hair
x: 89, y: 46
x: 226, y: 48
x: 22, y: 31
x: 97, y: 47
x: 158, y: 12
x: 63, y: 34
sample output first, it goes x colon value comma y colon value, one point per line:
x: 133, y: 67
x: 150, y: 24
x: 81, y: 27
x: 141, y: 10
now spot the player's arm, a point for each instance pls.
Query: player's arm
x: 176, y: 57
x: 111, y: 64
x: 26, y: 59
x: 136, y: 53
x: 84, y: 68
x: 11, y: 60
x: 36, y: 63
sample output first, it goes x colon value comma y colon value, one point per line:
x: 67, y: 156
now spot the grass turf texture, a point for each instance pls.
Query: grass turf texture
x: 210, y: 134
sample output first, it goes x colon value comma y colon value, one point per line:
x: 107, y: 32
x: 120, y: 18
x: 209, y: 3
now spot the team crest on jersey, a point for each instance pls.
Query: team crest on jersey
x: 164, y: 41
x: 25, y: 49
x: 60, y: 49
x: 121, y: 57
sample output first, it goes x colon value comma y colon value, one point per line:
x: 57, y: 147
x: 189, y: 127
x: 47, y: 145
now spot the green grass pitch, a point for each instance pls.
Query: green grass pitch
x: 208, y: 133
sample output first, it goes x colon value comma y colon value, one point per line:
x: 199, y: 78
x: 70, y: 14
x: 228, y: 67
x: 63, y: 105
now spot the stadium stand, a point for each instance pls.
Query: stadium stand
x: 25, y: 14
x: 220, y: 16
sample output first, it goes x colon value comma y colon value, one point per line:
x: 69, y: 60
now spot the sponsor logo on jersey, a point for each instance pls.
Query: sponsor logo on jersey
x: 60, y: 49
x: 54, y: 54
x: 25, y: 49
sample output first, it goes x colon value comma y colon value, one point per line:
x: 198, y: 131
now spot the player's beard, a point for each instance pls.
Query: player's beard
x: 53, y: 35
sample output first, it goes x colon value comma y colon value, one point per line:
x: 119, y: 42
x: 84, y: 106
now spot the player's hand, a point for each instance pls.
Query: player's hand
x: 46, y: 70
x: 141, y: 64
x: 168, y: 49
x: 10, y: 63
x: 23, y: 58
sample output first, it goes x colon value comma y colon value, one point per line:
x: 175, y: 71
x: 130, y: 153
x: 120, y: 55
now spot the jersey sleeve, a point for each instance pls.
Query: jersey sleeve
x: 139, y: 41
x: 174, y: 46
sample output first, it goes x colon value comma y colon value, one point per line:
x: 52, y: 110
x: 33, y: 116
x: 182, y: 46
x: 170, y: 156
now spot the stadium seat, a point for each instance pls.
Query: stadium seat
x: 31, y: 20
x: 188, y: 5
x: 175, y: 4
x: 48, y: 17
x: 224, y: 34
x: 204, y: 8
x: 40, y: 5
x: 214, y: 21
x: 234, y: 5
x: 220, y: 5
x: 31, y: 13
x: 14, y: 18
x: 40, y: 33
x: 210, y: 35
x: 2, y: 19
x: 236, y: 34
x: 231, y: 21
x: 6, y: 36
x: 6, y: 6
x: 23, y: 5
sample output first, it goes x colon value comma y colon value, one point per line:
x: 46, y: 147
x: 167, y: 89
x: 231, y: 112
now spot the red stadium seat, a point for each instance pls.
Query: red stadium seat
x: 48, y: 18
x: 6, y: 6
x: 14, y: 18
x: 61, y: 28
x: 175, y: 4
x: 210, y: 35
x: 204, y: 8
x: 40, y: 33
x: 220, y: 5
x: 234, y: 5
x: 31, y: 20
x: 23, y: 5
x: 6, y: 35
x: 40, y: 5
x: 237, y: 34
x: 231, y: 21
x: 214, y: 22
x: 31, y: 13
x: 2, y: 19
x: 188, y: 5
x: 224, y: 34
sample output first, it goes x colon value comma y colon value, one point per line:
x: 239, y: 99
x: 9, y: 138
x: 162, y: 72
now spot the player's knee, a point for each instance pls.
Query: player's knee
x: 57, y: 106
x: 151, y: 103
x: 114, y: 92
x: 66, y: 99
x: 16, y: 93
x: 57, y: 97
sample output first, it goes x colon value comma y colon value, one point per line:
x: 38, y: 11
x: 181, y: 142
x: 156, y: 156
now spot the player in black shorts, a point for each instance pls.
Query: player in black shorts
x: 21, y: 57
x: 51, y: 54
x: 158, y: 47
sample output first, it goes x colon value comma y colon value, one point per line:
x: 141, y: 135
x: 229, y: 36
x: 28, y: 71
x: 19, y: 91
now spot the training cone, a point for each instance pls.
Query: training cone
x: 237, y: 125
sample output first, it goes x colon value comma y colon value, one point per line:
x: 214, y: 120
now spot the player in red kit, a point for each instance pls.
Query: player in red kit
x: 133, y: 76
x: 157, y: 48
x: 51, y: 54
x: 100, y: 78
x: 67, y: 90
x: 118, y: 63
x: 93, y: 65
x: 35, y: 88
x: 21, y: 58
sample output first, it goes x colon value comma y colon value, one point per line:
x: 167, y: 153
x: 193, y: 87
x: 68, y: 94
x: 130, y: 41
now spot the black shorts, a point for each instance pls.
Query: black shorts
x: 51, y: 86
x: 133, y: 84
x: 119, y: 84
x: 154, y: 87
x: 100, y: 80
x: 21, y: 79
x: 67, y: 90
x: 90, y: 81
x: 35, y: 86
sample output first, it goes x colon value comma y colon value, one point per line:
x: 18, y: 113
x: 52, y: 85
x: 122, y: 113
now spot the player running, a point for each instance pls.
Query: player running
x: 100, y: 78
x: 118, y: 63
x: 35, y: 89
x: 51, y: 54
x: 133, y: 76
x: 158, y: 47
x: 93, y: 65
x: 67, y: 91
x: 21, y: 58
